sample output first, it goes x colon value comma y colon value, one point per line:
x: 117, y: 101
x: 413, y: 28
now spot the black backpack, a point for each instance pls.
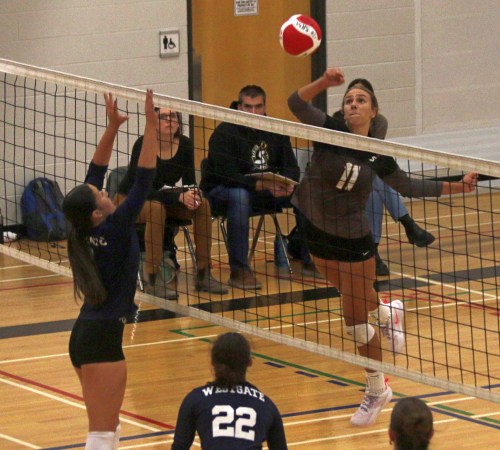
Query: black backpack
x: 41, y: 209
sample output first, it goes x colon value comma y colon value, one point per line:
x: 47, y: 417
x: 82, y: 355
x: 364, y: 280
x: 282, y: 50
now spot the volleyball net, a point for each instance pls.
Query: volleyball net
x: 51, y: 123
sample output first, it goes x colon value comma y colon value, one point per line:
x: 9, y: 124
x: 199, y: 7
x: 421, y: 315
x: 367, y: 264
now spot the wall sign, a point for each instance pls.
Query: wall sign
x: 169, y: 43
x: 246, y: 7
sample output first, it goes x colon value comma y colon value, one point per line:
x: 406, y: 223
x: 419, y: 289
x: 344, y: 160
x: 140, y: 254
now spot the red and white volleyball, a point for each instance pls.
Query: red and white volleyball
x: 300, y: 35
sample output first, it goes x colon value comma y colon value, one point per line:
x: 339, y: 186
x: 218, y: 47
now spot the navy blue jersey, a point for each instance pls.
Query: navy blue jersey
x: 116, y: 248
x: 238, y: 418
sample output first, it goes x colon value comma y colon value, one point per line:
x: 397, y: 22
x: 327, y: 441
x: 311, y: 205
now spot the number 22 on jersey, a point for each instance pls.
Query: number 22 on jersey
x: 239, y: 423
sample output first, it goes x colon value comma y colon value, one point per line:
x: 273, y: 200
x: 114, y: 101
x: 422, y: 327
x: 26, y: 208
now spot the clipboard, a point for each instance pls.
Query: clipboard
x: 174, y: 189
x: 276, y: 177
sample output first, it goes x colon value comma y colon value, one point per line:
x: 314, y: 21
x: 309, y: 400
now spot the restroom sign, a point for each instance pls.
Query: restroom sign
x: 169, y: 43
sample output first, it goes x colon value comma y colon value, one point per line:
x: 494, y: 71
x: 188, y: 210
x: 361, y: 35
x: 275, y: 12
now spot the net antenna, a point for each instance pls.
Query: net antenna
x: 51, y: 122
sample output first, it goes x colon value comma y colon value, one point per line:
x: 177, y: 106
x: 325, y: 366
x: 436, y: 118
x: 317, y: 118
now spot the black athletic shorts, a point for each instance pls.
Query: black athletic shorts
x: 95, y: 341
x: 326, y: 246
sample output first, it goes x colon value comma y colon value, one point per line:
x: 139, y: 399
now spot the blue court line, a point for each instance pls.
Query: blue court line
x: 436, y: 409
x: 122, y: 439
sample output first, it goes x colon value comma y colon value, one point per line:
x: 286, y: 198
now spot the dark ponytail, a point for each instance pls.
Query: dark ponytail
x: 78, y: 207
x: 230, y: 359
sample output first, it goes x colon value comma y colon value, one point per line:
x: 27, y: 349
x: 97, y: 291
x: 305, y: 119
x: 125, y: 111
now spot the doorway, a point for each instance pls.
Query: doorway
x: 228, y: 52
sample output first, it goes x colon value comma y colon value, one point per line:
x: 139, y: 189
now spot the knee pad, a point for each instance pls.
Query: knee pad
x: 361, y: 333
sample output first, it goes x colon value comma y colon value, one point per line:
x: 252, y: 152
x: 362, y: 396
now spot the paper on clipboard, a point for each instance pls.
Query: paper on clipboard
x: 174, y: 189
x: 276, y: 177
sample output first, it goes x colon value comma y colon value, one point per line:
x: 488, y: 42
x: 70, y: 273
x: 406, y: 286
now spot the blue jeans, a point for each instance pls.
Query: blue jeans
x: 381, y: 195
x: 237, y: 205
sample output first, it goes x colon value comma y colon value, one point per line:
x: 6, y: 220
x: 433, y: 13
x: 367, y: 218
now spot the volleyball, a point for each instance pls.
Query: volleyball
x: 300, y: 35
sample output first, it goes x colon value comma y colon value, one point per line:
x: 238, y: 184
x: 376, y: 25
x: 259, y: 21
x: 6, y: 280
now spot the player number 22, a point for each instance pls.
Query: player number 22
x: 226, y: 425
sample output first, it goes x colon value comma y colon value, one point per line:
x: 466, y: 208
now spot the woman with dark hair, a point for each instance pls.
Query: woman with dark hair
x: 103, y: 253
x: 174, y: 163
x: 332, y: 195
x: 411, y: 425
x: 229, y: 413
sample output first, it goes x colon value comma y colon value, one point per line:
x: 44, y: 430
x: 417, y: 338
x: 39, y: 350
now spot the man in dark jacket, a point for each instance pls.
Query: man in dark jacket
x: 235, y: 153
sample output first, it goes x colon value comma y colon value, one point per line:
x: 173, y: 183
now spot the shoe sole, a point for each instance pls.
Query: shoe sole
x: 211, y: 291
x: 243, y: 287
x: 424, y: 243
x: 157, y: 293
x: 309, y: 274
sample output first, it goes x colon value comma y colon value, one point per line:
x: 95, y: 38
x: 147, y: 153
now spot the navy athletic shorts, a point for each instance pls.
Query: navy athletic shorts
x: 96, y: 341
x: 329, y: 247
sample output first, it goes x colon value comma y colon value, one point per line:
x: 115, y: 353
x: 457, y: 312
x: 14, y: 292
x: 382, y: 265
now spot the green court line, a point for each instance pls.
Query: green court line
x: 489, y: 419
x: 467, y: 414
x: 284, y: 363
x: 453, y: 410
x: 331, y: 376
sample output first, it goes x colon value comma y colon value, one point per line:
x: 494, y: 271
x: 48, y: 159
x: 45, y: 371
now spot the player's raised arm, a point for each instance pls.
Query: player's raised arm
x: 115, y: 120
x: 149, y: 150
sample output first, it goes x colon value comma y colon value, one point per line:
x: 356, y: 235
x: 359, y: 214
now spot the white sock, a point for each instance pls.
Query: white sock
x: 375, y: 383
x: 100, y: 440
x: 116, y: 442
x: 384, y: 313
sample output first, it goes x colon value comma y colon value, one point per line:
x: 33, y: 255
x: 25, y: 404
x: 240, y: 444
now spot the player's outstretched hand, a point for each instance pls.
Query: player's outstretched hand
x: 470, y: 181
x: 466, y: 185
x: 115, y: 118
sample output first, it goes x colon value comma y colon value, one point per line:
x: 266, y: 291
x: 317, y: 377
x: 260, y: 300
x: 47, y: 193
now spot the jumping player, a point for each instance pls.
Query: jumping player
x: 332, y: 196
x: 103, y: 252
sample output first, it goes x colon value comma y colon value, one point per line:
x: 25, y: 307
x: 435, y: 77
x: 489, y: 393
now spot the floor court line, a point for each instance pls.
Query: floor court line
x: 34, y: 278
x: 205, y: 337
x: 286, y: 424
x: 18, y: 441
x: 455, y: 416
x: 80, y: 405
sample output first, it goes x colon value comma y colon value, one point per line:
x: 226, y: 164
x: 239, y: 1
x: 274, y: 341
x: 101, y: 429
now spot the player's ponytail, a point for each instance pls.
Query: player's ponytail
x: 78, y: 206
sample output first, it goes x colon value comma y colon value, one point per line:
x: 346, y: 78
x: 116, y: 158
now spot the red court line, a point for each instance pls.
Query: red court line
x: 36, y: 285
x: 80, y: 398
x: 441, y: 299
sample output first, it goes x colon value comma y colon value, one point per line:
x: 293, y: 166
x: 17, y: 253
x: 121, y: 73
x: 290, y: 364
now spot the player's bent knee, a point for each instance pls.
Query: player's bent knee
x: 361, y: 333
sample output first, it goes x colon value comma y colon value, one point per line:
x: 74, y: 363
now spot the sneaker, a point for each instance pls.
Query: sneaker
x: 370, y: 408
x: 393, y: 327
x: 205, y: 282
x: 160, y: 289
x: 244, y: 279
x: 417, y: 235
x: 309, y: 270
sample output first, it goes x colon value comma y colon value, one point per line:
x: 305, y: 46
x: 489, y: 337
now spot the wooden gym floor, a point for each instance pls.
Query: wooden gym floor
x: 168, y: 355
